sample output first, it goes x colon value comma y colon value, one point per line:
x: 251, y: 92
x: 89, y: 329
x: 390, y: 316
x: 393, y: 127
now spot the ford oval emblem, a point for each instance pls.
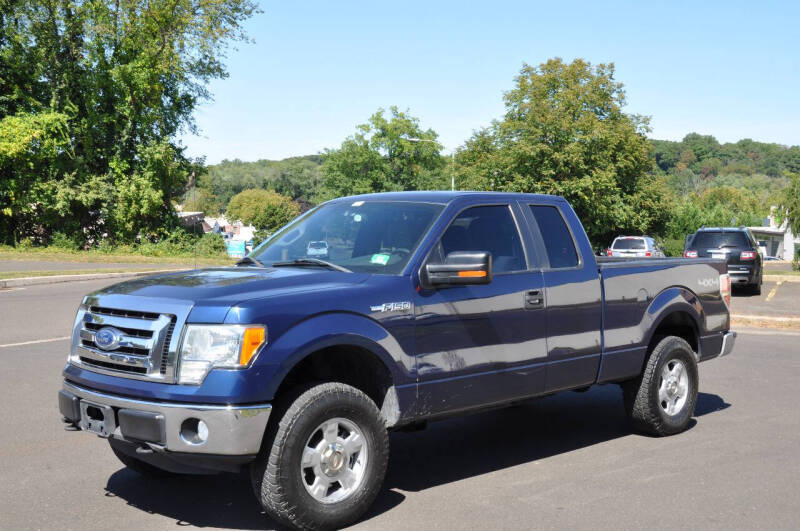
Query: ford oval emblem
x: 107, y: 338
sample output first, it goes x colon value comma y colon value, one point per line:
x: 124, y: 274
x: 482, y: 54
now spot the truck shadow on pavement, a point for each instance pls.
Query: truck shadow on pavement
x: 445, y: 452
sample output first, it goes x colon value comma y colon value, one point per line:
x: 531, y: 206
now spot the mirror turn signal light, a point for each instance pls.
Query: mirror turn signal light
x: 472, y: 273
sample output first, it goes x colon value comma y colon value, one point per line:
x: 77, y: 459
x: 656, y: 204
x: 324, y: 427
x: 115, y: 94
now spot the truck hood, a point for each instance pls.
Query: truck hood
x: 226, y: 286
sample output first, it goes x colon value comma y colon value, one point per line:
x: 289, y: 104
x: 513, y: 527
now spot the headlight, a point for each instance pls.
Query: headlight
x: 206, y: 347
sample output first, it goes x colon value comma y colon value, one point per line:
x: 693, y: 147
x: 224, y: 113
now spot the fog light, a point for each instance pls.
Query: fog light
x: 194, y: 431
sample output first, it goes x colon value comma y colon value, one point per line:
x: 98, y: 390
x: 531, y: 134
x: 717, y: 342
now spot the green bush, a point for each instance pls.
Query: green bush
x: 59, y: 240
x: 211, y: 245
x: 796, y: 261
x: 673, y: 247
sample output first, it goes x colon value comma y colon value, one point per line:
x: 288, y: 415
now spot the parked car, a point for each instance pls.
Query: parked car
x: 433, y: 304
x: 736, y: 246
x: 635, y: 247
x: 318, y: 249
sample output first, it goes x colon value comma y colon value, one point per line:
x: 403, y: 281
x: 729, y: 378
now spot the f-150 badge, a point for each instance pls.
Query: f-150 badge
x: 392, y: 307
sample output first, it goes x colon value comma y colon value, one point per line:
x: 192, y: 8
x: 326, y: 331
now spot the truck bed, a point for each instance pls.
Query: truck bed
x: 635, y: 290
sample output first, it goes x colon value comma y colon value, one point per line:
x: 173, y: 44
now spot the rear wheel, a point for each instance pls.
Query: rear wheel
x: 662, y: 400
x: 755, y: 289
x: 326, y: 461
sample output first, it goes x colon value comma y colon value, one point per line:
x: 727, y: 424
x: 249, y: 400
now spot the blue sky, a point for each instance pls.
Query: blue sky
x: 317, y: 69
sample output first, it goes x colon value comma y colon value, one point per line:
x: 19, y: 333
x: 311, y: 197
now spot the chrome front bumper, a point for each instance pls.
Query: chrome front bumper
x: 232, y: 430
x: 728, y: 341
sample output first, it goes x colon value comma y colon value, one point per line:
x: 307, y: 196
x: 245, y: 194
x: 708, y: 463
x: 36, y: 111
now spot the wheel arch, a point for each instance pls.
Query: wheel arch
x: 676, y: 311
x: 344, y: 348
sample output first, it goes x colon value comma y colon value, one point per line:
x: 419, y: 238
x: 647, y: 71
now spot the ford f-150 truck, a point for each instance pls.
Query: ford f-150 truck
x: 426, y: 305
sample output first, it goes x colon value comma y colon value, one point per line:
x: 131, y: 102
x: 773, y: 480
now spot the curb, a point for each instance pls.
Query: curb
x: 765, y: 321
x: 54, y: 279
x: 782, y: 278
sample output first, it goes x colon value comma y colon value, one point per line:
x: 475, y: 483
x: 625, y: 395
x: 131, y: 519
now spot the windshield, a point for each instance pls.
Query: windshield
x: 363, y: 236
x: 628, y: 243
x: 718, y: 240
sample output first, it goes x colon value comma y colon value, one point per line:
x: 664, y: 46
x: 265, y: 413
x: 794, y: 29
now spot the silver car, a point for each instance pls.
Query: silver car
x: 635, y: 246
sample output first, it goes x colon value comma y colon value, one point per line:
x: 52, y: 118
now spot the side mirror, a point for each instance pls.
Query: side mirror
x: 460, y: 268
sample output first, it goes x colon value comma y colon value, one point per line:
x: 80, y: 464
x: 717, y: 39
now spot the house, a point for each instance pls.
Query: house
x: 190, y: 219
x: 213, y: 224
x: 780, y: 241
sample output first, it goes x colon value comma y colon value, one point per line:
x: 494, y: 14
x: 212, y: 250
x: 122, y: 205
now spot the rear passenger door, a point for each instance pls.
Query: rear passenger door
x: 481, y: 344
x: 573, y: 297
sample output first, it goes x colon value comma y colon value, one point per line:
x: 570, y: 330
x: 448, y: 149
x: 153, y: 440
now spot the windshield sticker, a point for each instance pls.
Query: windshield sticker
x: 357, y: 203
x: 380, y: 258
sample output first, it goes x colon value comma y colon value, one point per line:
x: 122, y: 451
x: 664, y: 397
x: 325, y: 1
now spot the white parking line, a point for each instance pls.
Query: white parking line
x: 35, y: 342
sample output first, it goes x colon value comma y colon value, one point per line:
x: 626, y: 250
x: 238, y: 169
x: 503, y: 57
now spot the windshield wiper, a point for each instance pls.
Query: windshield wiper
x: 248, y: 261
x: 301, y: 262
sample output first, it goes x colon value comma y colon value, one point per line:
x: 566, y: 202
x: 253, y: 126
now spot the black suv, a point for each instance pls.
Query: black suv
x: 736, y: 246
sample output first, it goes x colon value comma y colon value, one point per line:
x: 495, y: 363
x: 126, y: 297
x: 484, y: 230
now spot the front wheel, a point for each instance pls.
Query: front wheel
x: 662, y: 400
x: 326, y: 461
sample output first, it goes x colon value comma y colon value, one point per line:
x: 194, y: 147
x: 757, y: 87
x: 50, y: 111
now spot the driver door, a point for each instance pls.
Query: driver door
x: 481, y: 344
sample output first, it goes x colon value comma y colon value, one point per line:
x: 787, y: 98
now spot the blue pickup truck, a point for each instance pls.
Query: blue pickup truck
x: 425, y: 305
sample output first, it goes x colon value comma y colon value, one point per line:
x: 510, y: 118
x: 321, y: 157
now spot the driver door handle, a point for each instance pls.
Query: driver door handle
x: 534, y: 299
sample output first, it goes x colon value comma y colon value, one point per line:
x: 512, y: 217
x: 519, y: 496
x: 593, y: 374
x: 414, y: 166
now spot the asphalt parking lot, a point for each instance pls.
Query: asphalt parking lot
x: 566, y: 461
x: 778, y: 299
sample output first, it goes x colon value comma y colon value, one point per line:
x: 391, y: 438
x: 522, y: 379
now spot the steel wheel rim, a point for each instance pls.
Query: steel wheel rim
x: 334, y: 460
x: 673, y: 389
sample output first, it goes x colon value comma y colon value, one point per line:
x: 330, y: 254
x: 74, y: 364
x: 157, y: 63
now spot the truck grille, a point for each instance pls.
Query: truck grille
x: 135, y: 344
x: 165, y: 350
x: 99, y: 310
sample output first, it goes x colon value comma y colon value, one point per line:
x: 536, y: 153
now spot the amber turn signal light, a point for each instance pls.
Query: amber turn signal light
x: 472, y: 273
x: 253, y: 338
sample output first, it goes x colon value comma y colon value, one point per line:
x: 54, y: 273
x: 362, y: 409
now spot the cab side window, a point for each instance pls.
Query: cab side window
x: 557, y: 239
x: 484, y: 228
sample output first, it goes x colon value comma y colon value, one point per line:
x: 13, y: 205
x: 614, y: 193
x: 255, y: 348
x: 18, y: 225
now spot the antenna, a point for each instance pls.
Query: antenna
x: 194, y: 225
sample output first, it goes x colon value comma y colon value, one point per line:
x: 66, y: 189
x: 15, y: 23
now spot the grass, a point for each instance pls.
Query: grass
x: 5, y: 275
x: 64, y: 255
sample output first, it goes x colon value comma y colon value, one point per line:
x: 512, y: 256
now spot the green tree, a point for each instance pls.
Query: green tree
x: 714, y: 207
x: 198, y: 199
x: 790, y: 202
x: 264, y: 209
x: 123, y: 77
x: 564, y: 133
x: 383, y: 156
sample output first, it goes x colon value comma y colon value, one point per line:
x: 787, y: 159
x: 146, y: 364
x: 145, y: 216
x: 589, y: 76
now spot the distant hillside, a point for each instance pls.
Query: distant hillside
x: 700, y: 162
x: 295, y: 177
x: 692, y: 165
